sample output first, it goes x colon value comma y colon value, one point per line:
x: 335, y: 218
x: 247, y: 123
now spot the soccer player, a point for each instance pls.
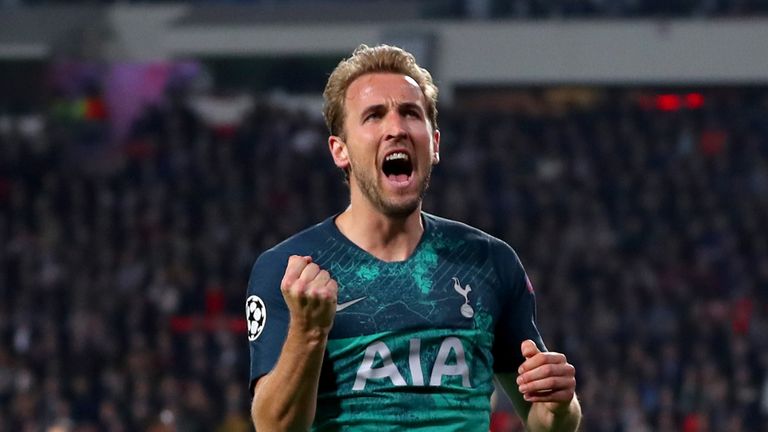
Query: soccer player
x: 384, y: 317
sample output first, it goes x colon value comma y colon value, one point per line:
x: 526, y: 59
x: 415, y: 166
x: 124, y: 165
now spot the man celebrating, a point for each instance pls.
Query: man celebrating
x: 384, y: 317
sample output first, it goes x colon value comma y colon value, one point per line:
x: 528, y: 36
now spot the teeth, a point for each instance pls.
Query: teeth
x: 397, y: 156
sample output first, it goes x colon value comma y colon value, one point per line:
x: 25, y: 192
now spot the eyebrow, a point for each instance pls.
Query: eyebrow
x: 372, y: 108
x: 400, y: 107
x: 411, y: 105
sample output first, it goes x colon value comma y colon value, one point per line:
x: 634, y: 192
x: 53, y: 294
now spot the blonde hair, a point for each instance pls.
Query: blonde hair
x: 365, y: 60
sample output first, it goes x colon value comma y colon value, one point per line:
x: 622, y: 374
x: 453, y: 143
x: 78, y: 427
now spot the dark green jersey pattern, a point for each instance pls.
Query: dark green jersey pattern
x: 415, y: 344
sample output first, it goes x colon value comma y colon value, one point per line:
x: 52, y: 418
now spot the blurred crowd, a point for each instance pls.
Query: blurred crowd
x: 123, y: 267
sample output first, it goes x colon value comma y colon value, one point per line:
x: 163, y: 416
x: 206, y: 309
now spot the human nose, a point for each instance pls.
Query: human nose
x: 394, y: 127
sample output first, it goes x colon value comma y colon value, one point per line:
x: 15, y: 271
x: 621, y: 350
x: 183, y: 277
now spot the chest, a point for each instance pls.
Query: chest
x: 436, y: 288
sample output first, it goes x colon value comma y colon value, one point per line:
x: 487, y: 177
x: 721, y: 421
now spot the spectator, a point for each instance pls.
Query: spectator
x: 121, y: 288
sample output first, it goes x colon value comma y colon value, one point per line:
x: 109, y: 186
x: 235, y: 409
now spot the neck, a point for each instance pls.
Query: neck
x: 385, y: 237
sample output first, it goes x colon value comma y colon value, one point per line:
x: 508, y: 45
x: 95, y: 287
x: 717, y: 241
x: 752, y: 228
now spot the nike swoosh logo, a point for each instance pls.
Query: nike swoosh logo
x: 341, y: 306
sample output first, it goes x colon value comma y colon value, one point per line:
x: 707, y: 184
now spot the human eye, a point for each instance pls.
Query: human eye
x: 412, y: 112
x: 372, y: 115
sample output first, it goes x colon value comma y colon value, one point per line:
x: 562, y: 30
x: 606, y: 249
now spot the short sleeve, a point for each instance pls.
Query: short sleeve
x: 266, y: 313
x: 517, y: 318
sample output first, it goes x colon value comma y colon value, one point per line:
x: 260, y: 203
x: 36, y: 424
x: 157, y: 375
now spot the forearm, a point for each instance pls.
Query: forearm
x: 542, y: 418
x: 286, y: 398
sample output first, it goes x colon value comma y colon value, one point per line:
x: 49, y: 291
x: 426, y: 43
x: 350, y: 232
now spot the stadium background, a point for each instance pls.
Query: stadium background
x: 149, y: 152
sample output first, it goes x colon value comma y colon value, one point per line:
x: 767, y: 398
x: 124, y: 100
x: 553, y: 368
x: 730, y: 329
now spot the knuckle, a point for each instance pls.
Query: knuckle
x: 299, y: 286
x: 328, y: 293
x: 307, y: 274
x: 310, y: 283
x: 329, y: 296
x: 287, y: 281
x: 548, y: 382
x: 295, y: 261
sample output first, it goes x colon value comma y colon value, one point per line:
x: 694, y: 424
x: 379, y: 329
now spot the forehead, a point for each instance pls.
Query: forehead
x: 383, y: 88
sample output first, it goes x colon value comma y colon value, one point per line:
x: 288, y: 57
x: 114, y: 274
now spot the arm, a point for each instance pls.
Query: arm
x: 544, y: 391
x: 285, y: 399
x: 543, y: 387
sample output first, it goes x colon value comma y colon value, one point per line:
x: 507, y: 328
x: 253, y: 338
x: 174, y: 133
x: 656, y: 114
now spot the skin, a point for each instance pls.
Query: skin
x: 385, y: 112
x: 544, y: 390
x: 285, y: 399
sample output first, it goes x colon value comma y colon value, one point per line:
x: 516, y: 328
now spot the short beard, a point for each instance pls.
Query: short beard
x: 399, y: 211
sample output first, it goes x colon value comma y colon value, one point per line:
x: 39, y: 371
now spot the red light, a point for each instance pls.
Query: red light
x: 668, y: 102
x: 694, y: 100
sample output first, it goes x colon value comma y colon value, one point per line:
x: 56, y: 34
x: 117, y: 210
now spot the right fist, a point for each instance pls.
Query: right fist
x: 310, y: 294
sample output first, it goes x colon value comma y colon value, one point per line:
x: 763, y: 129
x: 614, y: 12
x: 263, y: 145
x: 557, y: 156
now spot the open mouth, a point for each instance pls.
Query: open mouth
x: 397, y: 167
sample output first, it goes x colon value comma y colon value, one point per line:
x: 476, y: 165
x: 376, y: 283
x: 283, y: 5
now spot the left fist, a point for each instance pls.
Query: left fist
x: 545, y: 376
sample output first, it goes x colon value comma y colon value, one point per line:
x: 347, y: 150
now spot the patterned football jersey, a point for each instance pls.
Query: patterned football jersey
x: 415, y: 343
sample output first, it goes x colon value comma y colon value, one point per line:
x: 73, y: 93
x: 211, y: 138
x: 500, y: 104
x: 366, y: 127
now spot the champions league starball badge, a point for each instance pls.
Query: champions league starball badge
x: 256, y: 316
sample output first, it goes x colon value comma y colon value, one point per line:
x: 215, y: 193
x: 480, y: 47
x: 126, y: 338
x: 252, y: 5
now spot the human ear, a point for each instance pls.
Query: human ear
x: 436, y: 148
x: 339, y: 151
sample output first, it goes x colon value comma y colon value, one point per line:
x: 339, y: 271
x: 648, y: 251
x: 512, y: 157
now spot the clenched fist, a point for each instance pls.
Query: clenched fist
x: 546, y: 377
x: 310, y: 294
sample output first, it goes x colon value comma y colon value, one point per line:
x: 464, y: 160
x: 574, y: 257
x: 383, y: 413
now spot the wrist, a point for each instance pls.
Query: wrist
x: 555, y: 416
x: 310, y: 336
x: 559, y: 408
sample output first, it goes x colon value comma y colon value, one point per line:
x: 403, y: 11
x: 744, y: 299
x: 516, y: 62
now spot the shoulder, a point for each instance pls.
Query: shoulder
x: 301, y: 243
x: 272, y: 262
x: 456, y: 229
x: 462, y: 231
x: 502, y: 255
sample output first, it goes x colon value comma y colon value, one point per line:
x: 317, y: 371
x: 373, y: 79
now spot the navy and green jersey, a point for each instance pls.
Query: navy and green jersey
x: 415, y: 343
